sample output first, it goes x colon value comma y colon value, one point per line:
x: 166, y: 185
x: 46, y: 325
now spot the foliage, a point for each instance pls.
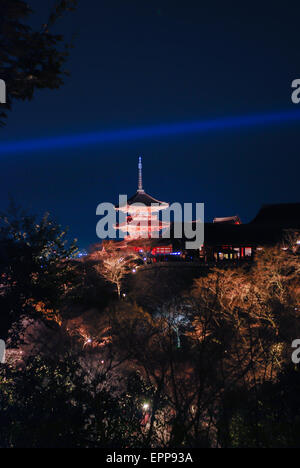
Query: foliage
x: 36, y: 273
x: 266, y: 418
x: 30, y: 59
x: 213, y: 364
x: 51, y: 403
x: 116, y: 261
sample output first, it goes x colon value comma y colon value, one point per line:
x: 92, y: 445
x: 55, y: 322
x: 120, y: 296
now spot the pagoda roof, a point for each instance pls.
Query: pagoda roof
x: 154, y: 224
x: 143, y: 197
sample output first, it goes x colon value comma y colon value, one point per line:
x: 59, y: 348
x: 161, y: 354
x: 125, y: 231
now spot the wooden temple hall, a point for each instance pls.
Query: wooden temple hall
x: 229, y: 239
x: 225, y: 239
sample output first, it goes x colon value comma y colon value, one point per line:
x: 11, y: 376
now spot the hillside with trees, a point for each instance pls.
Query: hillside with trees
x: 90, y: 365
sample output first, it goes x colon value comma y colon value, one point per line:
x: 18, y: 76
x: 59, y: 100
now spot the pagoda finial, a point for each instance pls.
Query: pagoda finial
x: 140, y: 179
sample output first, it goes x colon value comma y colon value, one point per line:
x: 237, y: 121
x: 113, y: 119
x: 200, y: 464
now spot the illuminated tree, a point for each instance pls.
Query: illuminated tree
x: 116, y: 261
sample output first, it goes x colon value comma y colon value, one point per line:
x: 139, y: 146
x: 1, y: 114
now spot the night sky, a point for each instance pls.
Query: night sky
x: 140, y: 63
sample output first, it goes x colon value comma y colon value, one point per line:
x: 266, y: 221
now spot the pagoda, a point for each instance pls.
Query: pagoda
x: 142, y: 213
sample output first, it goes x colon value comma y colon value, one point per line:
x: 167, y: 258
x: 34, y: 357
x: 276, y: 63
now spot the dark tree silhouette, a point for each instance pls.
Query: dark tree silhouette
x: 36, y: 272
x: 52, y: 404
x: 30, y: 59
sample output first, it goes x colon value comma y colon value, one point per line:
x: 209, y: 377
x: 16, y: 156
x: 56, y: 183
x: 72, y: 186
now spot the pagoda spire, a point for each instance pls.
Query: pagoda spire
x: 140, y: 179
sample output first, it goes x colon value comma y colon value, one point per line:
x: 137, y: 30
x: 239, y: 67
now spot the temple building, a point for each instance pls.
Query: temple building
x: 225, y: 239
x: 229, y: 239
x: 142, y: 214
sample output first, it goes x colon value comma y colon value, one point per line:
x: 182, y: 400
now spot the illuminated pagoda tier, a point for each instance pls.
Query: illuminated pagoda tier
x: 142, y: 220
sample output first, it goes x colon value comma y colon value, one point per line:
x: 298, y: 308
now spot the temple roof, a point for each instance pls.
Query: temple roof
x: 143, y: 197
x: 228, y: 220
x: 285, y: 215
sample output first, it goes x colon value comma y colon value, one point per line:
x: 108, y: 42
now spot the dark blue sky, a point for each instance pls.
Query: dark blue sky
x: 139, y: 63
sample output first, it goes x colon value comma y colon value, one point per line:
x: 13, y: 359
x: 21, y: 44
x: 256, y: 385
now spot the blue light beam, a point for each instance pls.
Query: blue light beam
x: 137, y: 133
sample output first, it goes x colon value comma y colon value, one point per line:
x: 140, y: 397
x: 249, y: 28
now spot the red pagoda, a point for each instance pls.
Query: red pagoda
x: 142, y: 213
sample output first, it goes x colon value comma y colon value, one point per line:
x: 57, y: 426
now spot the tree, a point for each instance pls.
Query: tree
x: 116, y: 261
x: 251, y: 314
x: 268, y: 417
x: 186, y: 381
x: 53, y: 403
x: 35, y: 266
x: 228, y: 384
x: 30, y: 59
